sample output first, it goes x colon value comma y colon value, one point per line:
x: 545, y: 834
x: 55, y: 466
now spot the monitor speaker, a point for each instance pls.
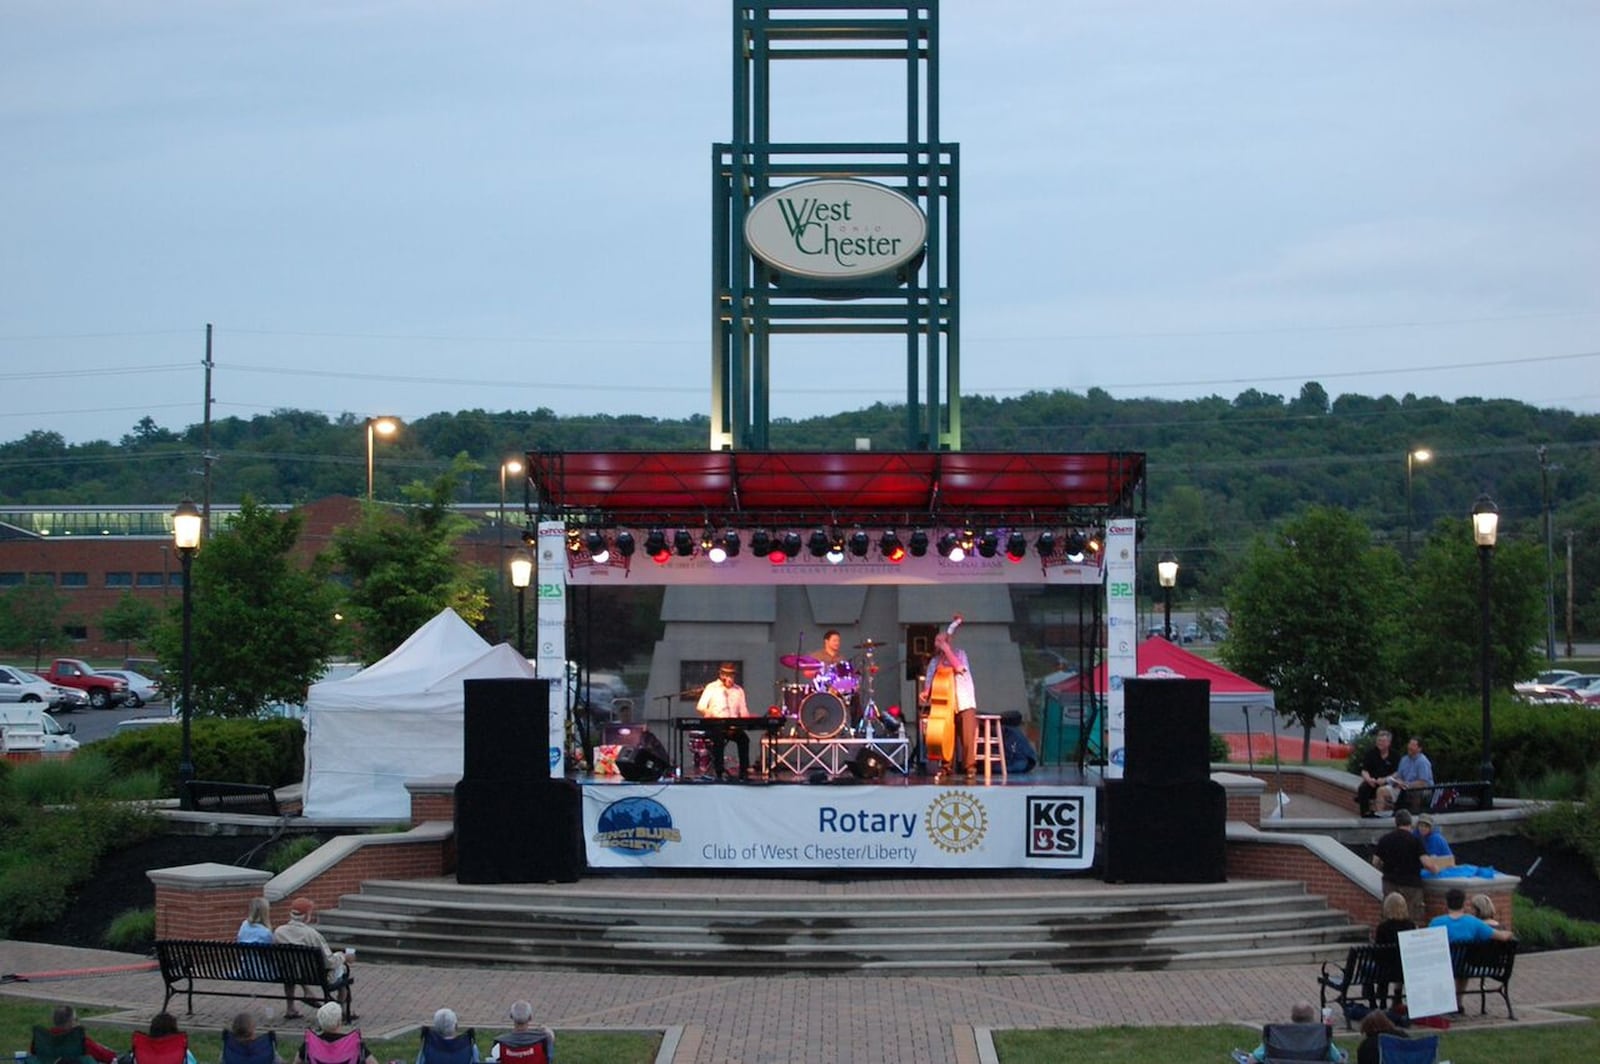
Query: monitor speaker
x: 518, y: 831
x: 1168, y: 834
x: 1167, y: 731
x: 507, y: 729
x: 641, y: 764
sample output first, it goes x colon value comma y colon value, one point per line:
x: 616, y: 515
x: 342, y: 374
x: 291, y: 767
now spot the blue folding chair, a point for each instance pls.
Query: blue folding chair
x: 1398, y: 1049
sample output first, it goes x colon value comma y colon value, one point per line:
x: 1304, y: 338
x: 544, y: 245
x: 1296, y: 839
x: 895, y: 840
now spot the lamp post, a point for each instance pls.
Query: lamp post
x: 1167, y: 572
x: 521, y: 574
x: 1413, y: 457
x: 512, y: 467
x: 377, y: 426
x: 186, y: 537
x: 1485, y: 525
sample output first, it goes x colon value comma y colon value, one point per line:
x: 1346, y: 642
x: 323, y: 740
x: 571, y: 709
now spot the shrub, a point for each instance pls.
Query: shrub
x: 87, y: 774
x: 1541, y: 927
x: 132, y: 931
x: 1219, y: 748
x: 270, y: 752
x: 47, y: 852
x: 287, y: 853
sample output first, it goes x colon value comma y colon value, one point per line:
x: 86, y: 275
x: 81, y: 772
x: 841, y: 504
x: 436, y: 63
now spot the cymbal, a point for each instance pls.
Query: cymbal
x: 871, y: 644
x: 799, y: 661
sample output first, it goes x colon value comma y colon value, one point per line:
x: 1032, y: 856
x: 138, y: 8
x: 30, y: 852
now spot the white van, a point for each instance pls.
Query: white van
x: 25, y: 726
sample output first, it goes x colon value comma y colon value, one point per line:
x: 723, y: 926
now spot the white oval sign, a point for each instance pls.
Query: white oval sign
x: 831, y: 228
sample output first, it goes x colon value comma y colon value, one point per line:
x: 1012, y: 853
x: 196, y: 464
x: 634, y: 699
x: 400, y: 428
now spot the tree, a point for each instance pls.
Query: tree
x: 130, y: 619
x: 1313, y: 614
x: 262, y: 624
x: 31, y: 619
x: 1442, y: 646
x: 403, y: 567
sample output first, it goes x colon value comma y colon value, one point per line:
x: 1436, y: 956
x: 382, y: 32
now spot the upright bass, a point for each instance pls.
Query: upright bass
x: 939, y: 735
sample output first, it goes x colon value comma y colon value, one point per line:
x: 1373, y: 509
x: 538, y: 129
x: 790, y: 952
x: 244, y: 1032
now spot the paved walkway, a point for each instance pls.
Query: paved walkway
x: 775, y: 1020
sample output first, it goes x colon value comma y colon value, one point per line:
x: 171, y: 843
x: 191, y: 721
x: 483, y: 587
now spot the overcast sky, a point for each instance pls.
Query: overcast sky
x: 399, y: 206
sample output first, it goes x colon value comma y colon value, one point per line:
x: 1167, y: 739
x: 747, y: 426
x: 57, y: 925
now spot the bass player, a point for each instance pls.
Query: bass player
x: 949, y: 690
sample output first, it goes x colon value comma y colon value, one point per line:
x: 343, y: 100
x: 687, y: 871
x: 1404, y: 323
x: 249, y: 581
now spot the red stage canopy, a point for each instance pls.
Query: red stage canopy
x: 747, y: 488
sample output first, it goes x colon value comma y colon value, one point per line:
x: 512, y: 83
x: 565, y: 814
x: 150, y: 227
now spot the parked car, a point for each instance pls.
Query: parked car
x: 1348, y: 728
x: 69, y: 699
x: 136, y: 723
x: 19, y: 686
x: 1191, y: 632
x: 1550, y: 676
x: 141, y: 688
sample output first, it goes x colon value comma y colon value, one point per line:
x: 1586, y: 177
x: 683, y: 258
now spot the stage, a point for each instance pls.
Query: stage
x: 789, y: 820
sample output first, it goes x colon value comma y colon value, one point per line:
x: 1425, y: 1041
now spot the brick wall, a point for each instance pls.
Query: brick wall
x: 432, y: 805
x: 1313, y: 786
x: 202, y: 912
x: 1245, y: 808
x: 1257, y: 860
x: 410, y: 860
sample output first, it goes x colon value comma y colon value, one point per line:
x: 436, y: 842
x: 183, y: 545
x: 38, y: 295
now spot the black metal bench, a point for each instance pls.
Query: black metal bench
x: 1364, y: 978
x: 1489, y: 963
x: 227, y: 796
x: 184, y: 961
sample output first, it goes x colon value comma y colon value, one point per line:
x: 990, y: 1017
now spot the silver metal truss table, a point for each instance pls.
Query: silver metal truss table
x: 804, y: 756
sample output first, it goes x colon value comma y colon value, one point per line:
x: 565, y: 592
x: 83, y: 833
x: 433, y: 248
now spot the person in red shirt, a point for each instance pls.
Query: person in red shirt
x: 65, y: 1019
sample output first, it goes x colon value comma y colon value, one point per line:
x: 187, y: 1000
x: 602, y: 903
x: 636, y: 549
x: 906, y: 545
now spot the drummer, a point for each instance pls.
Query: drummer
x: 829, y: 655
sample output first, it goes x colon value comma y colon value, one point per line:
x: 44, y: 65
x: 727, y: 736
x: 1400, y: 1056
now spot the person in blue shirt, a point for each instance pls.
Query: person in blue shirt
x: 257, y: 925
x: 1436, y: 853
x: 1414, y: 771
x: 1460, y: 925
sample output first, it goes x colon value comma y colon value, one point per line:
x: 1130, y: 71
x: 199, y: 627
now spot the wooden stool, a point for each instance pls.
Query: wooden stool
x: 991, y: 747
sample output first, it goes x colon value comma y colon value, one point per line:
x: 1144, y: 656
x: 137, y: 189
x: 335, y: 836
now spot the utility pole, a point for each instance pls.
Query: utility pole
x: 206, y: 457
x: 1549, y: 559
x: 1569, y: 594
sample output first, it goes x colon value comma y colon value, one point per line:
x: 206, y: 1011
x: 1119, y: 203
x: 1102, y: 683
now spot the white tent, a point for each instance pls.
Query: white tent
x: 399, y: 719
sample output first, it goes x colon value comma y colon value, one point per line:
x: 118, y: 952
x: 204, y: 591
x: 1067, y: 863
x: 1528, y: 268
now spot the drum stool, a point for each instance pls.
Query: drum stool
x: 990, y: 747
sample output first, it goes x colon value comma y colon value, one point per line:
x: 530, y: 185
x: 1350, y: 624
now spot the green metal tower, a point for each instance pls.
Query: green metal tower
x: 820, y: 237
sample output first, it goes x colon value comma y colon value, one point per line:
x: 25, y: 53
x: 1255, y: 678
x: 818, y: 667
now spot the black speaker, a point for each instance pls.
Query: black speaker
x: 1167, y: 834
x: 519, y: 831
x: 1167, y: 731
x: 640, y: 764
x: 507, y: 732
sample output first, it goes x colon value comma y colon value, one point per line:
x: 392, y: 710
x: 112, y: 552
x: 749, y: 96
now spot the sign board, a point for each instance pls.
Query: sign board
x: 835, y: 229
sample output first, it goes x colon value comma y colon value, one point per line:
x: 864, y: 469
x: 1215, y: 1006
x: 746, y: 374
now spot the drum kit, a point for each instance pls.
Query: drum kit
x: 833, y: 700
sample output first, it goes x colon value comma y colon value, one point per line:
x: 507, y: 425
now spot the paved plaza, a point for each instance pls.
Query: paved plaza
x: 775, y: 1019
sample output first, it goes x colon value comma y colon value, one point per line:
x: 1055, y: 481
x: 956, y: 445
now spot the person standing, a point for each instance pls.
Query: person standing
x: 1377, y: 766
x: 720, y: 699
x: 1398, y: 855
x: 946, y: 655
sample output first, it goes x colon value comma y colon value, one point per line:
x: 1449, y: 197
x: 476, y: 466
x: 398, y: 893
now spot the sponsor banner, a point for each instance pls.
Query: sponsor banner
x: 550, y: 630
x: 749, y: 569
x: 1122, y: 637
x: 706, y: 826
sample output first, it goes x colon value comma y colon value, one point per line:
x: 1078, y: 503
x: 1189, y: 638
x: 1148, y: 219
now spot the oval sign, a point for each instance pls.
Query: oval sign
x: 833, y: 228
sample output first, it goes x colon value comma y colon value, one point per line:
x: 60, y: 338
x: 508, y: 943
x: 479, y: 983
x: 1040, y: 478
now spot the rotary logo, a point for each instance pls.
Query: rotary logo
x: 957, y: 821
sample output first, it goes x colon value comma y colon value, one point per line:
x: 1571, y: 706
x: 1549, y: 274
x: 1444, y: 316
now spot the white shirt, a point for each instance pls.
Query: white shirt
x: 722, y: 700
x: 966, y: 693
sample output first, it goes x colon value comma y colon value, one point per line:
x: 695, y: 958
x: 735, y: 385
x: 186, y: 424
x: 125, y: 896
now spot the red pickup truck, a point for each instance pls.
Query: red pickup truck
x: 104, y: 691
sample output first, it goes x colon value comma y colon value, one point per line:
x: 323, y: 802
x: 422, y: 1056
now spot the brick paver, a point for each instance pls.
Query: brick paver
x: 853, y: 1019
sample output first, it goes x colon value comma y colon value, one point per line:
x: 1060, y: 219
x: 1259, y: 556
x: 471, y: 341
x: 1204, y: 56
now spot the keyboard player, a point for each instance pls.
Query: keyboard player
x: 725, y: 698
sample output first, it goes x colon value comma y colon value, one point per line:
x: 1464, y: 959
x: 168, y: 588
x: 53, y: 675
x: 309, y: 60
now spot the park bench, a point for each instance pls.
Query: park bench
x: 1488, y: 963
x: 1368, y: 972
x: 185, y: 961
x: 235, y: 797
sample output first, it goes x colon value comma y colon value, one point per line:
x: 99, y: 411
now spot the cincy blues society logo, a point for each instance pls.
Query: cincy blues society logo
x: 636, y: 826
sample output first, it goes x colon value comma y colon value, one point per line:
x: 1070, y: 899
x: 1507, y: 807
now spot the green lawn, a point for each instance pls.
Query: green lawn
x: 1577, y: 1043
x: 17, y: 1017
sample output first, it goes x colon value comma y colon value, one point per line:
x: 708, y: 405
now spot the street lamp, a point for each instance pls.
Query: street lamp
x: 1167, y: 572
x: 377, y: 426
x: 512, y: 467
x: 521, y: 574
x: 1485, y: 525
x: 1413, y: 457
x: 186, y: 524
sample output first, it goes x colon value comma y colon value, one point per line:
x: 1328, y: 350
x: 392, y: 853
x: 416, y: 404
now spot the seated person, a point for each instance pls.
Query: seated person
x: 442, y: 1043
x: 299, y: 932
x: 725, y: 698
x: 1378, y: 764
x: 1436, y: 853
x: 327, y: 1042
x: 1304, y: 1015
x: 165, y: 1044
x: 524, y: 1043
x: 1373, y: 1025
x: 1412, y: 779
x: 1462, y: 926
x: 65, y: 1036
x: 242, y: 1045
x: 1482, y: 907
x: 257, y: 924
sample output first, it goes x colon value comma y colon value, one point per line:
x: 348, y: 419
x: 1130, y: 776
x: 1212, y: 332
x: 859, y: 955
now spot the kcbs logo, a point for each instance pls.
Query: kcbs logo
x: 1055, y: 826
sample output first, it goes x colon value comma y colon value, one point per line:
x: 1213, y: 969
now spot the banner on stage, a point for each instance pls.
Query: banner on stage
x: 705, y: 827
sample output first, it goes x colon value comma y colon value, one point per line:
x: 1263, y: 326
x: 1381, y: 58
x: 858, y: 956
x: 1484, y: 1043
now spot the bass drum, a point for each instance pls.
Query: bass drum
x: 822, y: 715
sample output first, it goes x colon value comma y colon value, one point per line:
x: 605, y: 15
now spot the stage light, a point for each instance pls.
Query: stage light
x: 624, y: 543
x: 818, y: 544
x: 1093, y: 544
x: 1045, y: 544
x: 890, y: 547
x: 574, y: 540
x: 1016, y: 546
x: 1077, y: 542
x: 723, y: 547
x: 760, y: 542
x: 730, y: 543
x: 967, y: 540
x: 989, y: 544
x: 683, y: 543
x: 835, y: 553
x: 708, y: 539
x: 950, y: 547
x: 595, y: 543
x: 859, y: 543
x: 530, y: 537
x: 655, y: 545
x: 791, y: 544
x: 919, y: 543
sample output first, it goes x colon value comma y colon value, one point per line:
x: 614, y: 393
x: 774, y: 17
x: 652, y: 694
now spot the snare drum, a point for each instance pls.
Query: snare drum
x: 793, y: 695
x: 823, y: 715
x: 845, y: 680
